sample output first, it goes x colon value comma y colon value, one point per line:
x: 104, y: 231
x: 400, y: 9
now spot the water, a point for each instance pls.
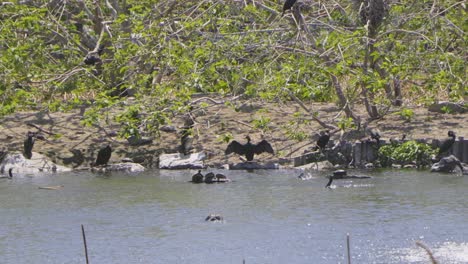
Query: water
x: 269, y: 217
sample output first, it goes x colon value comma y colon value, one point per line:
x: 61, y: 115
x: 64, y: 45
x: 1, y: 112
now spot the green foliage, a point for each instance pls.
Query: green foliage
x: 406, y: 114
x: 221, y: 47
x: 262, y: 123
x: 225, y: 138
x: 410, y: 151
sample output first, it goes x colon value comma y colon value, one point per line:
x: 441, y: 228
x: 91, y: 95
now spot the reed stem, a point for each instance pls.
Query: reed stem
x: 84, y: 242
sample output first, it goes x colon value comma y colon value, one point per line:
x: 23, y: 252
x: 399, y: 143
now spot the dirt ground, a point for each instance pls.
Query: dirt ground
x: 278, y: 123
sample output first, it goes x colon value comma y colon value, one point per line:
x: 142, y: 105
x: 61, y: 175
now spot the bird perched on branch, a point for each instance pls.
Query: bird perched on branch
x: 103, y: 156
x: 448, y: 143
x: 287, y: 5
x: 322, y: 141
x: 248, y: 149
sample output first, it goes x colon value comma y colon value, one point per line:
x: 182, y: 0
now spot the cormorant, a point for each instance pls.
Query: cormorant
x: 249, y: 149
x: 103, y: 156
x: 186, y: 140
x: 28, y: 144
x: 329, y: 182
x: 448, y: 143
x: 322, y: 141
x: 221, y: 178
x: 375, y: 134
x: 198, y: 177
x: 210, y: 178
x: 287, y: 6
x: 92, y: 58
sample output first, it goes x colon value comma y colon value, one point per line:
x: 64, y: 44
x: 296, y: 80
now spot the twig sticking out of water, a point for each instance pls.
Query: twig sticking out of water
x: 348, y: 248
x: 428, y: 251
x: 85, y: 246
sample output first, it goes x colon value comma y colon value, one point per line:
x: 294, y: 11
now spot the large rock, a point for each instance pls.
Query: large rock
x: 448, y: 107
x: 37, y: 164
x: 125, y: 166
x: 447, y: 164
x: 181, y: 161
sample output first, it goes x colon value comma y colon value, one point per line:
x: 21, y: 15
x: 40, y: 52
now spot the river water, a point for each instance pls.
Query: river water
x: 269, y: 217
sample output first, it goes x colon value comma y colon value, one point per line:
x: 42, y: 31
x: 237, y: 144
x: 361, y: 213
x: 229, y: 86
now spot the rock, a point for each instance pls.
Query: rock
x: 339, y: 173
x: 37, y: 163
x: 127, y: 167
x: 181, y: 161
x: 168, y: 129
x: 448, y: 107
x: 139, y: 141
x: 447, y: 164
x: 254, y: 166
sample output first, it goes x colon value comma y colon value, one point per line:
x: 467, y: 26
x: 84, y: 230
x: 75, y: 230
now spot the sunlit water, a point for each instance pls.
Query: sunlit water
x: 269, y: 217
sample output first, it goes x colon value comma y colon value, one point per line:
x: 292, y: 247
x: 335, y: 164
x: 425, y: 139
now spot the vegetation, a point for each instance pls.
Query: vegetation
x: 58, y: 55
x: 406, y: 153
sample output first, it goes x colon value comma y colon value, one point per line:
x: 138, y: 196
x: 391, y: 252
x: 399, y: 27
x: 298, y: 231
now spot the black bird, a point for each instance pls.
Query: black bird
x: 28, y: 144
x: 103, y: 156
x: 375, y: 134
x: 287, y: 6
x: 322, y: 141
x: 222, y: 178
x: 198, y: 177
x: 448, y: 143
x: 329, y: 182
x: 249, y: 149
x: 92, y: 59
x: 210, y: 177
x: 186, y: 140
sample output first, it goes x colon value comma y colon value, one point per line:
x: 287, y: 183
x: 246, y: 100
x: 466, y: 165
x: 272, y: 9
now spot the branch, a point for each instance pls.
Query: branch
x: 298, y: 101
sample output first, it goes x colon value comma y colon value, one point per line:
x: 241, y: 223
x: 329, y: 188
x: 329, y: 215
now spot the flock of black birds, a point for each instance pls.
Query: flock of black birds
x: 210, y: 177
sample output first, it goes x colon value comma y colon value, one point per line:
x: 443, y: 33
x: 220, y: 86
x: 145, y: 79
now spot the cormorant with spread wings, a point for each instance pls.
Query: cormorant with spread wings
x: 249, y: 149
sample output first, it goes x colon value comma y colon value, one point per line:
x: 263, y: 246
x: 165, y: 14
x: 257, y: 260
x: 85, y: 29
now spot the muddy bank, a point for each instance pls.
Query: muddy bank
x: 70, y: 143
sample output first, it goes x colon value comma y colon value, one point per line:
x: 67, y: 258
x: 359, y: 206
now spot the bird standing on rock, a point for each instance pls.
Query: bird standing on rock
x: 28, y: 144
x: 447, y: 144
x: 103, y: 156
x: 248, y: 149
x: 287, y: 6
x: 322, y: 141
x: 375, y: 134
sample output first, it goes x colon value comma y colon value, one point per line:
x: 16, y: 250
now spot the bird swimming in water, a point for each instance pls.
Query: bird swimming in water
x: 222, y: 178
x: 198, y: 177
x: 329, y: 182
x: 210, y: 178
x: 287, y: 6
x: 103, y: 156
x: 28, y: 144
x: 322, y: 141
x: 248, y: 149
x: 448, y: 143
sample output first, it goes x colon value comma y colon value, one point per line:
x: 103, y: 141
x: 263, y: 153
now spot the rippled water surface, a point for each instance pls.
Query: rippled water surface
x: 269, y: 217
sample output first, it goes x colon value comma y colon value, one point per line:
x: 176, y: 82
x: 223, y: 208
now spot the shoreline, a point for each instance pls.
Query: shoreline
x: 289, y: 130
